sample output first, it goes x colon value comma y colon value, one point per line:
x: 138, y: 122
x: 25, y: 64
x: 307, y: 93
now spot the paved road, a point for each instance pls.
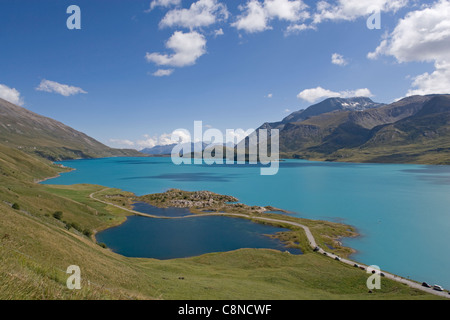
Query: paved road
x: 309, y: 235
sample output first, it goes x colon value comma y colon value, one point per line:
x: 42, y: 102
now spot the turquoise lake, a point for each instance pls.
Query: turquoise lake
x: 401, y: 211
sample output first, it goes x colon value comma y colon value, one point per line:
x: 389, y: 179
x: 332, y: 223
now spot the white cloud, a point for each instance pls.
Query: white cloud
x: 312, y: 95
x: 163, y: 3
x: 315, y: 94
x: 62, y: 89
x: 379, y: 51
x: 350, y: 10
x: 202, y: 13
x: 147, y: 143
x: 187, y: 47
x: 270, y: 96
x: 338, y: 59
x: 437, y: 82
x: 163, y: 72
x: 165, y: 139
x: 423, y: 35
x: 255, y: 18
x: 257, y: 15
x: 122, y: 142
x: 286, y: 9
x: 356, y: 93
x: 296, y: 28
x: 218, y: 32
x: 11, y: 95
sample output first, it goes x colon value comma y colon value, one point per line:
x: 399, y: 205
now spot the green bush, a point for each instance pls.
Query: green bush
x: 75, y: 226
x: 58, y: 215
x: 87, y: 233
x: 16, y: 206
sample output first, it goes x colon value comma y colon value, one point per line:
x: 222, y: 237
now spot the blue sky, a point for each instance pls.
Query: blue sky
x: 231, y: 64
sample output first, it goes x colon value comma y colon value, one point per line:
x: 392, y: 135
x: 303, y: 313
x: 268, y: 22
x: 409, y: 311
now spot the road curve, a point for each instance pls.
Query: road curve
x: 309, y: 235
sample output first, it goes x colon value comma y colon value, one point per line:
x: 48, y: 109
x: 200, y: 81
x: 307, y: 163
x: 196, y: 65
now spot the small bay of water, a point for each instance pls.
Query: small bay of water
x: 141, y: 237
x: 161, y: 212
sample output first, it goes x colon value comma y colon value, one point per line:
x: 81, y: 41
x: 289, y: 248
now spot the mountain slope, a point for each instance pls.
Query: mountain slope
x: 412, y: 130
x: 326, y: 106
x: 423, y: 137
x: 48, y: 138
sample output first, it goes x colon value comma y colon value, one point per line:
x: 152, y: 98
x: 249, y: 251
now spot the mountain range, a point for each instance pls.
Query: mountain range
x: 48, y: 138
x: 412, y: 130
x: 167, y: 149
x: 326, y: 106
x: 161, y: 150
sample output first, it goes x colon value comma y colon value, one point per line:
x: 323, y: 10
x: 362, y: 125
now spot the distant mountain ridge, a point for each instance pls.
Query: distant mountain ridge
x: 48, y: 138
x: 167, y: 149
x: 412, y: 130
x: 159, y: 150
x: 326, y: 106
